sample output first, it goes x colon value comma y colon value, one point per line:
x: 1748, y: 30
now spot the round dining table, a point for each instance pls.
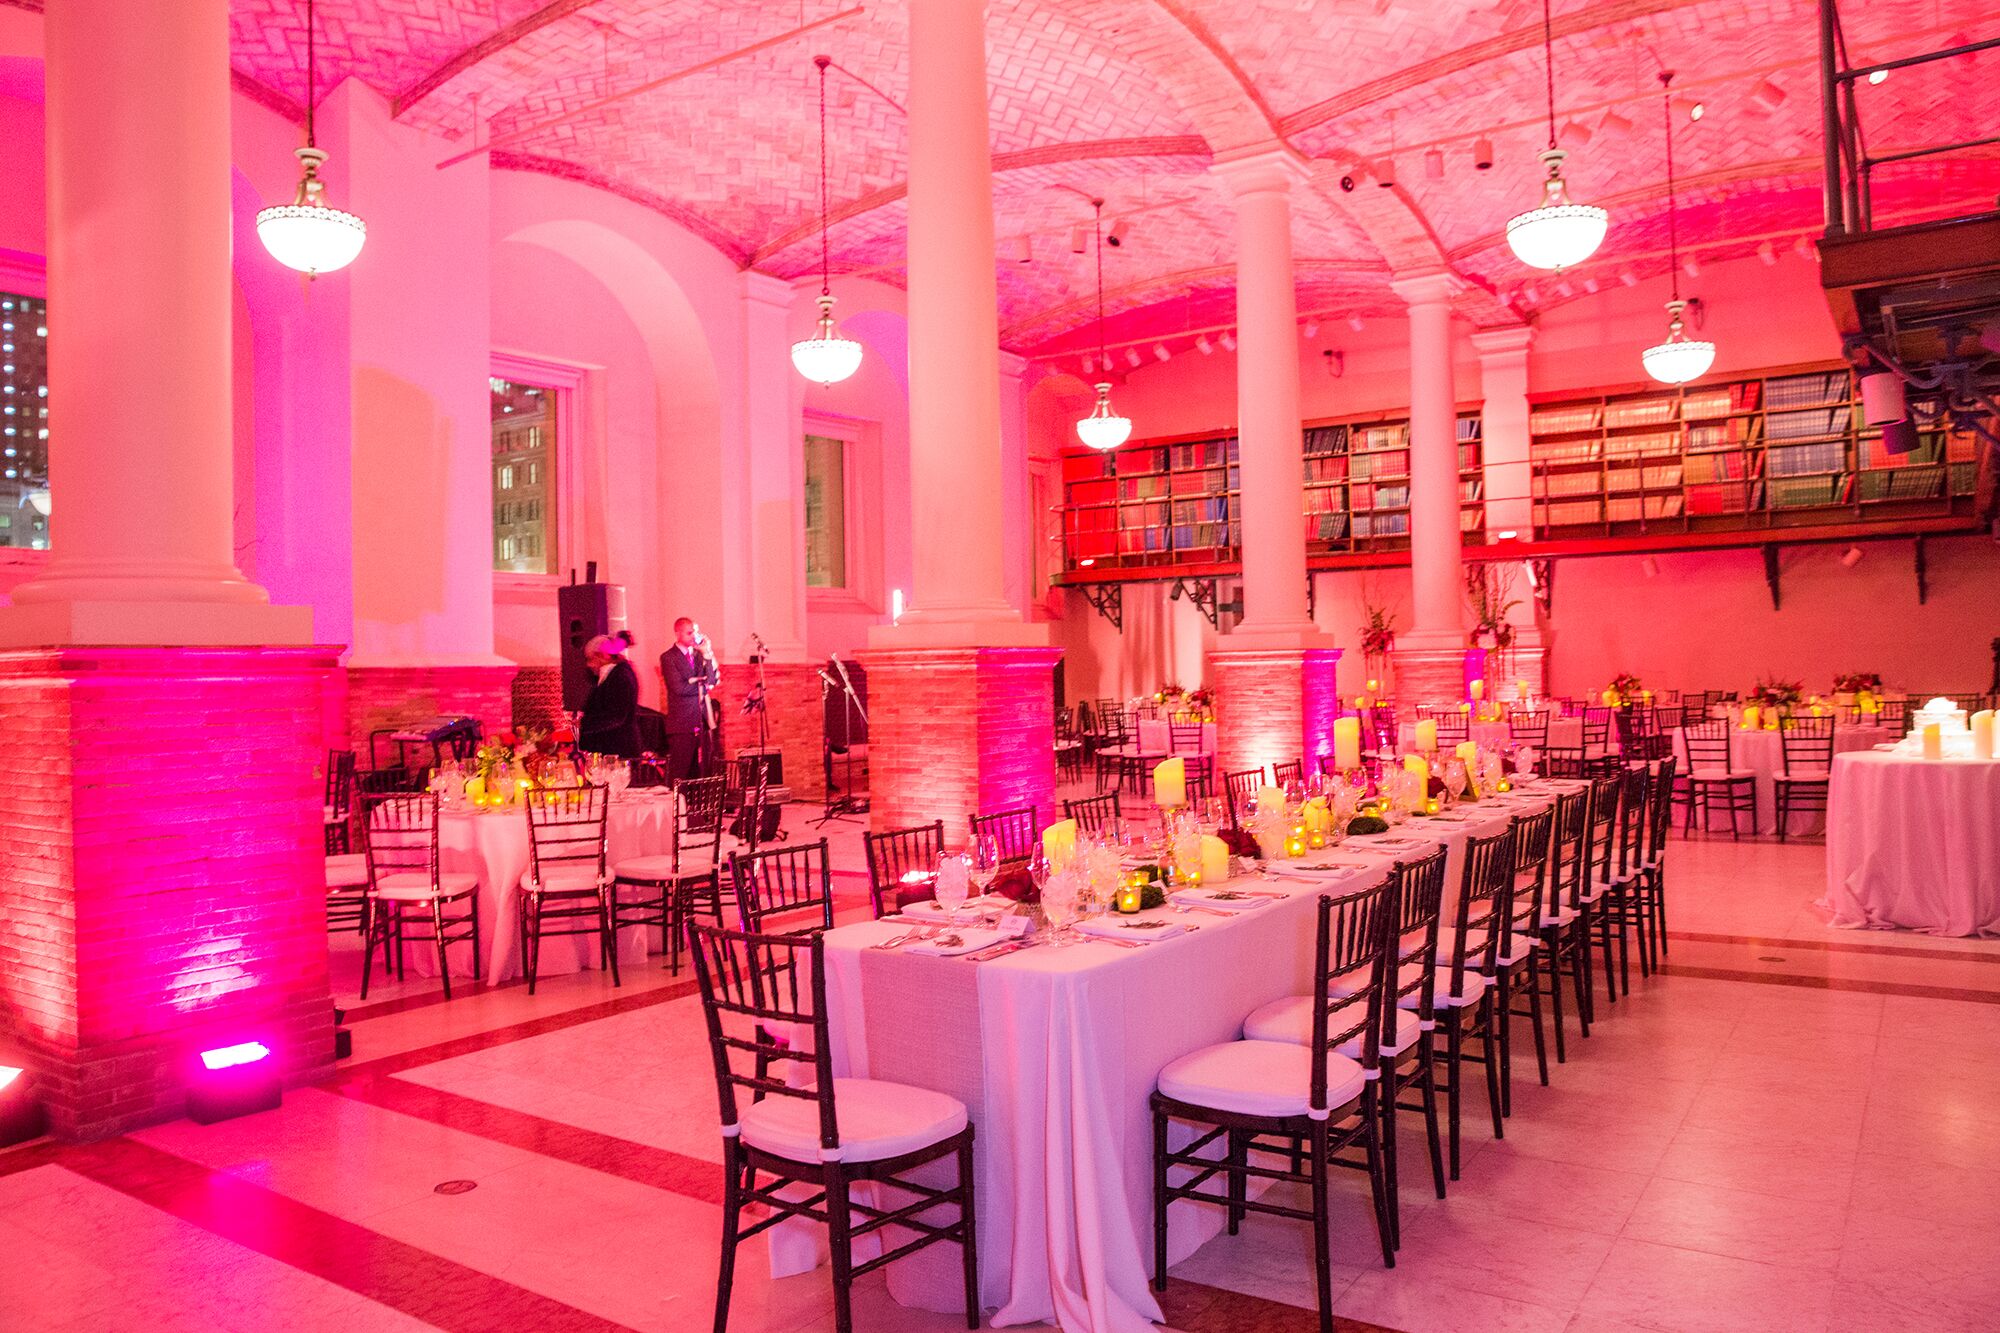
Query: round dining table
x: 493, y: 844
x: 1914, y: 843
x: 1761, y: 753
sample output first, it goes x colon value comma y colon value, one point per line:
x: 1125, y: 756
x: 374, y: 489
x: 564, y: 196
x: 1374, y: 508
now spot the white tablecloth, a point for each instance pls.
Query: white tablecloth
x: 1155, y: 738
x: 1493, y: 735
x: 1055, y: 1052
x: 1914, y: 843
x: 1762, y: 754
x: 494, y: 846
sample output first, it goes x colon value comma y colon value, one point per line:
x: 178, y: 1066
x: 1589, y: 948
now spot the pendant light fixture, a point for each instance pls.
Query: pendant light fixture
x: 1680, y: 358
x: 307, y: 234
x: 1103, y: 428
x: 1558, y: 233
x: 826, y: 357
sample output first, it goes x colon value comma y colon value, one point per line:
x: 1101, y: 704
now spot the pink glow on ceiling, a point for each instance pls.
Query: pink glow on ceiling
x: 1131, y: 98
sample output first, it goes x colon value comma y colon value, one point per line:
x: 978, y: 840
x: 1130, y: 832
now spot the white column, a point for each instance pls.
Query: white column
x: 776, y: 462
x: 1503, y: 381
x: 141, y: 453
x: 1020, y: 521
x: 959, y: 587
x: 1272, y: 489
x: 1437, y: 572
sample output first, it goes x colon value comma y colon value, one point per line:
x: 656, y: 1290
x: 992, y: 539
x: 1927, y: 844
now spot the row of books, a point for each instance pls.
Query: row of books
x: 1817, y: 388
x: 1809, y: 424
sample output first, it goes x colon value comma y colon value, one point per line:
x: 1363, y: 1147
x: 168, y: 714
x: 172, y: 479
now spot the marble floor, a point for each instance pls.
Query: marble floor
x: 1789, y: 1128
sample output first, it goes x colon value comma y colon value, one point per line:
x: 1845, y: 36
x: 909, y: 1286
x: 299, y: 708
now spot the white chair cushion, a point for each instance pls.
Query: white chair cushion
x: 1268, y: 1078
x: 1519, y: 946
x: 659, y: 868
x: 411, y: 887
x: 562, y: 879
x: 1721, y: 775
x: 876, y: 1120
x: 1805, y: 775
x: 1291, y: 1020
x: 1560, y: 916
x: 348, y: 871
x: 1468, y: 993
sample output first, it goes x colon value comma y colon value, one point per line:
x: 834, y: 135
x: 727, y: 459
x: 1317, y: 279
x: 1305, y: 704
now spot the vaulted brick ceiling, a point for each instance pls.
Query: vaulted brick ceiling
x: 1131, y: 99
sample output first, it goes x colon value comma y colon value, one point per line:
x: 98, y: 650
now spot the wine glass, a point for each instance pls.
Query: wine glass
x: 1059, y: 906
x: 953, y: 870
x: 985, y: 863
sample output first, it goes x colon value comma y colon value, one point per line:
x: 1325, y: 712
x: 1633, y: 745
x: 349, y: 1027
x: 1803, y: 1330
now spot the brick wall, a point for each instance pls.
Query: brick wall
x: 792, y: 700
x: 377, y: 697
x: 954, y: 732
x: 160, y: 882
x: 1273, y: 705
x: 538, y: 697
x: 1424, y: 676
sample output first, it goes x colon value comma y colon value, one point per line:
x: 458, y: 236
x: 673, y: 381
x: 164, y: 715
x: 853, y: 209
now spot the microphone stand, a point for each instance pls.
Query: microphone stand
x: 847, y: 804
x: 755, y: 702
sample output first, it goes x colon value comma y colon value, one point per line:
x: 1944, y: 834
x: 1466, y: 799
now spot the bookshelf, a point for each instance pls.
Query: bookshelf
x: 1357, y: 480
x: 1783, y: 449
x: 1151, y: 503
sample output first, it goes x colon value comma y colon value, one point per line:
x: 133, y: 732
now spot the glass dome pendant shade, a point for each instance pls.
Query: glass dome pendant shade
x: 1560, y: 233
x: 1680, y: 358
x: 1104, y: 428
x: 308, y: 234
x: 826, y: 357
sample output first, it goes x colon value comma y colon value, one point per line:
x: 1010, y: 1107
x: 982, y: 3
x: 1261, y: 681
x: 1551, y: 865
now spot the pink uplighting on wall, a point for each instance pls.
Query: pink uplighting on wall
x: 8, y: 1073
x: 229, y: 1057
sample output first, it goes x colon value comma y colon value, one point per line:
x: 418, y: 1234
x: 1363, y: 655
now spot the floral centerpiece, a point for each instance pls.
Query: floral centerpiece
x: 1777, y: 694
x: 1857, y: 682
x: 522, y: 756
x: 1625, y: 688
x: 1487, y: 586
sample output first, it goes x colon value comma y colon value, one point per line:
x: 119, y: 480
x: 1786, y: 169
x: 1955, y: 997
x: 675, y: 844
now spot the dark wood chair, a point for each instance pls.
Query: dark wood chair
x: 788, y: 890
x: 1564, y: 924
x: 825, y: 1134
x: 1463, y: 998
x: 1094, y: 814
x: 1288, y: 774
x: 1806, y: 783
x: 1516, y: 960
x: 1713, y: 778
x: 338, y: 810
x: 1018, y: 832
x: 1240, y: 787
x: 408, y: 890
x: 567, y: 889
x: 1529, y: 727
x: 663, y: 890
x: 897, y: 853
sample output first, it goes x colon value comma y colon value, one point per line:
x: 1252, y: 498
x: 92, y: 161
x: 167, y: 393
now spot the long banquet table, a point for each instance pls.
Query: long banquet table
x: 1055, y: 1053
x: 1914, y: 843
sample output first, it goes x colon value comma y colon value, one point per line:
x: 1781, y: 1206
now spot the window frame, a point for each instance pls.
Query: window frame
x: 569, y: 380
x: 861, y: 484
x: 24, y: 275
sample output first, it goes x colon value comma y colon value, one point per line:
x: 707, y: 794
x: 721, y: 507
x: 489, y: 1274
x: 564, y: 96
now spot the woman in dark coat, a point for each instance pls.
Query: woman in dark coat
x: 610, y: 722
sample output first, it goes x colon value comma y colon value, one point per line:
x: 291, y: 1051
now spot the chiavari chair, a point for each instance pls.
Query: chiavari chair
x: 1713, y: 777
x: 567, y: 882
x: 338, y: 810
x: 1378, y: 725
x: 1454, y: 726
x: 1565, y: 939
x: 1618, y: 905
x: 1304, y: 1102
x: 827, y: 1134
x: 1186, y: 738
x: 1240, y: 787
x: 1649, y: 890
x: 787, y: 890
x: 896, y: 854
x: 1467, y: 958
x: 1806, y: 783
x: 1529, y: 727
x: 1094, y: 814
x: 408, y: 888
x: 1288, y: 774
x: 1069, y: 748
x: 663, y: 889
x: 1599, y: 857
x: 1514, y: 961
x: 1017, y: 831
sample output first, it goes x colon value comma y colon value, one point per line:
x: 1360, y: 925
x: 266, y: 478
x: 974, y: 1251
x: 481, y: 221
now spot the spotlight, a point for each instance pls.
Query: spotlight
x: 1878, y: 76
x: 1174, y: 593
x: 1228, y: 342
x: 1628, y: 277
x: 1576, y: 132
x: 1356, y: 323
x: 1482, y: 154
x: 1590, y: 285
x: 1079, y: 240
x: 1132, y: 358
x: 1347, y: 185
x: 1022, y: 250
x: 21, y: 1114
x: 1385, y: 173
x: 1882, y: 401
x: 1204, y: 346
x: 1089, y: 364
x: 1693, y: 110
x: 1312, y: 329
x: 1116, y: 233
x: 1851, y: 557
x: 1899, y: 438
x: 1613, y: 123
x: 1160, y: 351
x: 1768, y: 253
x: 1434, y: 165
x: 1691, y: 266
x: 1508, y: 535
x: 1804, y: 249
x: 1768, y: 95
x: 1650, y: 567
x: 232, y: 1081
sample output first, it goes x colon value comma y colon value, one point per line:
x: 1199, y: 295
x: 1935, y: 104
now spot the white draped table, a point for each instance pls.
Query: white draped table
x: 1914, y: 843
x: 1493, y: 735
x: 493, y: 844
x: 1761, y: 753
x: 1055, y: 1053
x: 1155, y: 738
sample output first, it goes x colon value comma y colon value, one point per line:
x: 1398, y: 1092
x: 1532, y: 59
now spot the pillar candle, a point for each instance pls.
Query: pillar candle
x: 1416, y: 763
x: 1059, y: 843
x: 1374, y: 687
x: 1750, y: 717
x: 1427, y: 735
x: 1933, y: 741
x: 1214, y: 859
x: 1983, y: 723
x: 1347, y: 744
x: 1170, y: 782
x: 1478, y: 689
x: 1521, y: 688
x: 1468, y: 752
x: 1270, y: 798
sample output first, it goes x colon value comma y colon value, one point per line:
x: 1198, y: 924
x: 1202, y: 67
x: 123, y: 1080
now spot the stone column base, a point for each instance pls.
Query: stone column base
x: 1273, y: 705
x: 797, y: 718
x: 954, y: 732
x: 1430, y: 675
x: 160, y: 872
x: 374, y: 698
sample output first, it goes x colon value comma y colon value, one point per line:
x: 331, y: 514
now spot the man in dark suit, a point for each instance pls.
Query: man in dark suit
x: 690, y: 673
x: 610, y: 722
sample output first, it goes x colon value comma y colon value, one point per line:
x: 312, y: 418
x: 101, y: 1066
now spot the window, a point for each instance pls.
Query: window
x: 524, y: 430
x: 24, y: 421
x: 826, y: 512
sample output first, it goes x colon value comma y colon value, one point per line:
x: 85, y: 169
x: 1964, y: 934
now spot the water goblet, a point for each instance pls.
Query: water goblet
x: 953, y: 876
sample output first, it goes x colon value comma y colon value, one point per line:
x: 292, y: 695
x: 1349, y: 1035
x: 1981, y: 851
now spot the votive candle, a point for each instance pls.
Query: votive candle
x: 1982, y: 734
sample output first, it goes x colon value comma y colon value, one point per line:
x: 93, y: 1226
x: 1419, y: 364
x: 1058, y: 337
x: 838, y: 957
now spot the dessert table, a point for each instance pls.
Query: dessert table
x: 1761, y: 753
x: 493, y: 844
x: 1914, y: 843
x: 1055, y: 1053
x: 1155, y: 738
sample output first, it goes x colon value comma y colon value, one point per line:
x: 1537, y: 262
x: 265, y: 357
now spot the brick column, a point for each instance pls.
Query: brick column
x: 1273, y: 704
x: 954, y: 732
x: 792, y: 701
x: 160, y: 871
x: 389, y: 696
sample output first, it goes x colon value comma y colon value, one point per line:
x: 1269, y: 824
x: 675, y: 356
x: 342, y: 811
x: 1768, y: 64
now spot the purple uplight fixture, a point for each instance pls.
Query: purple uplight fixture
x: 234, y: 1080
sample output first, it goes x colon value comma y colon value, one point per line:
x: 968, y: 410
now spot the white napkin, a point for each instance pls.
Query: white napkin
x: 1139, y: 929
x: 1222, y: 900
x: 969, y: 940
x: 928, y: 910
x: 1377, y: 842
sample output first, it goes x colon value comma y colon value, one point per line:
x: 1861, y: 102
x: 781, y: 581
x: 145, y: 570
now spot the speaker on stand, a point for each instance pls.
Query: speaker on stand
x: 584, y: 611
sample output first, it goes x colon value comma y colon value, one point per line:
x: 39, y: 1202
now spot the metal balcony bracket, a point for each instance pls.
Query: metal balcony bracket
x: 1108, y: 600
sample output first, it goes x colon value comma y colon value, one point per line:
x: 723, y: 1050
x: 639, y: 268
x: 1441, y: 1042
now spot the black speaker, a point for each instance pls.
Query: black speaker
x: 584, y: 611
x: 844, y: 724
